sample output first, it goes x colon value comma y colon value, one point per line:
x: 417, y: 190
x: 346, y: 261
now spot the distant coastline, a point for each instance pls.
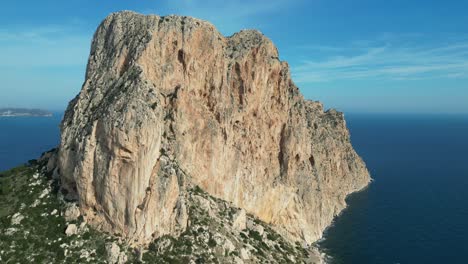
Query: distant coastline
x: 13, y: 112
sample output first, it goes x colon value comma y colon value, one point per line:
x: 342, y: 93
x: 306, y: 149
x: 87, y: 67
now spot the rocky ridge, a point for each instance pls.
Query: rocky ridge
x: 169, y: 103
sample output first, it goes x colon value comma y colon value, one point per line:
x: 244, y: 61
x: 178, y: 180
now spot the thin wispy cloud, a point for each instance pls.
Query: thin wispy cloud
x: 392, y: 61
x: 43, y: 46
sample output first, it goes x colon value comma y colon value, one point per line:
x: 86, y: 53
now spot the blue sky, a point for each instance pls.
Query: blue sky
x: 356, y: 56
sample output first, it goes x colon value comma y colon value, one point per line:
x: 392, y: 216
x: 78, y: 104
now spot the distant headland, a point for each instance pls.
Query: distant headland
x: 11, y: 112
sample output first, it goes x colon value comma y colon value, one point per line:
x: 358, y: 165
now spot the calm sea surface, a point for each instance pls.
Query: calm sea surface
x: 415, y: 211
x: 25, y: 138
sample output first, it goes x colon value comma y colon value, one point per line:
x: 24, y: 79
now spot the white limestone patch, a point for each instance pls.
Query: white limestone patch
x: 45, y: 193
x: 16, y: 219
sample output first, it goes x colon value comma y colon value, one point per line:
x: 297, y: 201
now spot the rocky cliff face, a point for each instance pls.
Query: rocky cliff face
x: 169, y: 102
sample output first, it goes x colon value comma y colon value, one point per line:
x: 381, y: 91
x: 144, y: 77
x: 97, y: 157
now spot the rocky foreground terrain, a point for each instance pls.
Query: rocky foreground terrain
x: 191, y: 146
x: 37, y: 225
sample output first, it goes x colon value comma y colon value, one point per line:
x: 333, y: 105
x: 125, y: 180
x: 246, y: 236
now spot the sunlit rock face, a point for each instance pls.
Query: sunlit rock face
x: 170, y: 102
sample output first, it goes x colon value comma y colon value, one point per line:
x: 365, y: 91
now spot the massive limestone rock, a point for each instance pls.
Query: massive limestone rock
x: 170, y: 102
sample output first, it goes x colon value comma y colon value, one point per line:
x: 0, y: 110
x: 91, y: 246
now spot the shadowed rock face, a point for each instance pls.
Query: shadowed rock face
x: 170, y: 102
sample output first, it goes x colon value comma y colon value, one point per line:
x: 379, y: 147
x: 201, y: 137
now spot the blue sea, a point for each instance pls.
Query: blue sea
x: 415, y: 211
x: 25, y: 138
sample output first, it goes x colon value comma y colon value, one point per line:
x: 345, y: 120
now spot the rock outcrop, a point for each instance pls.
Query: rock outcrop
x: 168, y: 102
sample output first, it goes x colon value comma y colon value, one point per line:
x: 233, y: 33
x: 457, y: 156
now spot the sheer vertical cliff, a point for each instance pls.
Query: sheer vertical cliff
x: 169, y: 102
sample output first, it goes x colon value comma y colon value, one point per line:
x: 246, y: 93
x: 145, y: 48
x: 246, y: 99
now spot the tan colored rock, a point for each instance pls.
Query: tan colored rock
x: 259, y: 229
x: 72, y: 229
x: 237, y: 260
x: 228, y: 245
x: 114, y: 255
x: 169, y: 101
x: 315, y: 257
x: 239, y: 221
x: 244, y: 254
x: 205, y: 205
x: 72, y: 212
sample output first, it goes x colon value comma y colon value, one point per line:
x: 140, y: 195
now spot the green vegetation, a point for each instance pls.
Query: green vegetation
x: 255, y: 235
x: 212, y: 242
x: 32, y: 229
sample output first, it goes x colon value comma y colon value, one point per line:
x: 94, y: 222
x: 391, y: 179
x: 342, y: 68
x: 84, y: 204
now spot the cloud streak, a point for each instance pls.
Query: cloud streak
x: 385, y: 61
x: 43, y: 46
